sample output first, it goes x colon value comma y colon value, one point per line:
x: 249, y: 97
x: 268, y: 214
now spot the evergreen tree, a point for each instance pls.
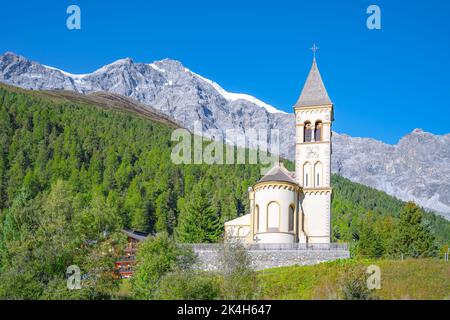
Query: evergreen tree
x: 370, y: 242
x: 134, y: 206
x: 413, y: 238
x: 198, y: 221
x: 2, y: 179
x: 164, y: 214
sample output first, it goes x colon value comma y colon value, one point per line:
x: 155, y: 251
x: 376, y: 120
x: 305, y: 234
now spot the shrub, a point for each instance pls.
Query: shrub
x: 187, y: 285
x: 353, y: 285
x: 156, y: 257
x: 240, y: 281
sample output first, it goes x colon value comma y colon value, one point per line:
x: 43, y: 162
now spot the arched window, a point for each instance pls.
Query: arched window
x: 306, y: 174
x: 291, y: 217
x: 273, y: 217
x: 318, y: 174
x: 241, y: 232
x: 308, y: 132
x: 257, y: 219
x: 318, y: 130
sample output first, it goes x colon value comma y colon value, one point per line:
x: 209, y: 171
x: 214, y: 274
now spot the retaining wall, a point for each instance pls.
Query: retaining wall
x: 208, y: 259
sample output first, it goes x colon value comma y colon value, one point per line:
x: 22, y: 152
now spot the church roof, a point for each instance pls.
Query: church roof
x: 137, y: 235
x: 240, y: 221
x: 278, y: 173
x: 314, y: 92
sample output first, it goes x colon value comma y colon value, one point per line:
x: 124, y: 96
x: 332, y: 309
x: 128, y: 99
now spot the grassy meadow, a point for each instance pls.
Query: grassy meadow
x: 417, y: 279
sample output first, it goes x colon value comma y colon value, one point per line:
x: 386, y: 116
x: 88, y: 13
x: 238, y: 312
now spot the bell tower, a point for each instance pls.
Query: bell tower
x: 314, y: 115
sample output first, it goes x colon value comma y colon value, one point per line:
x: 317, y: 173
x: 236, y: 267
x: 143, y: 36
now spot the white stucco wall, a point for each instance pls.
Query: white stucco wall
x: 316, y: 198
x: 237, y: 231
x: 239, y: 227
x: 284, y: 198
x: 317, y: 215
x: 313, y: 152
x: 275, y: 238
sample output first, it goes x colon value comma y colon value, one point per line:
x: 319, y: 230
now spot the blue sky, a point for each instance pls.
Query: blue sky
x: 381, y: 81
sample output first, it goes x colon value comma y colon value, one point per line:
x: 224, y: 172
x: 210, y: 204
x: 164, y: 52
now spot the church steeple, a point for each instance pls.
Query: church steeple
x: 291, y: 208
x: 314, y: 92
x: 313, y: 118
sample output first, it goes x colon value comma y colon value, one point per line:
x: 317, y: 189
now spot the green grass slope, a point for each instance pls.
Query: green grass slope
x: 417, y: 279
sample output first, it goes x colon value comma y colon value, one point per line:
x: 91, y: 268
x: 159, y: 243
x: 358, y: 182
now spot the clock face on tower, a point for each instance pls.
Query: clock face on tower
x: 312, y: 153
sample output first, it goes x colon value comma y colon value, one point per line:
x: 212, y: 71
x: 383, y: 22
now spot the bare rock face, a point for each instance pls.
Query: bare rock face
x: 417, y: 168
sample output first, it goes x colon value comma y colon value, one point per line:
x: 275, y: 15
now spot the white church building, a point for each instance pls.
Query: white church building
x: 295, y: 207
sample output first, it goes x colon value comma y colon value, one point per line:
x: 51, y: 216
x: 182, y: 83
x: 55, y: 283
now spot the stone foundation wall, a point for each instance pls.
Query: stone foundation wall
x: 265, y: 259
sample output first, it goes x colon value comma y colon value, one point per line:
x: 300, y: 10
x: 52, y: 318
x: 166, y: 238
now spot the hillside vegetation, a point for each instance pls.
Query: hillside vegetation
x: 417, y: 279
x: 75, y: 170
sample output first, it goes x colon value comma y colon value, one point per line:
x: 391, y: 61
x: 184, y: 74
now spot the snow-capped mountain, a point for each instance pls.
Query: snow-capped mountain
x: 165, y: 85
x: 417, y: 168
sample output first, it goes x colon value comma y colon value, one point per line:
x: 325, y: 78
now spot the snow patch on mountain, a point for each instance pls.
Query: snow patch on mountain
x: 237, y: 96
x: 67, y: 74
x: 154, y: 66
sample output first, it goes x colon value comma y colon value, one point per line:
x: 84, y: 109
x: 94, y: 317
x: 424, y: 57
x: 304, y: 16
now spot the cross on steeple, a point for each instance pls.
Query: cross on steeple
x: 314, y: 49
x: 314, y: 92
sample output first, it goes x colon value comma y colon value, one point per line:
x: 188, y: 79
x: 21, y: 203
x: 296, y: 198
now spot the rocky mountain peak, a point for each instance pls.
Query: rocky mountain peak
x: 417, y: 168
x: 12, y: 55
x: 122, y: 62
x: 170, y: 64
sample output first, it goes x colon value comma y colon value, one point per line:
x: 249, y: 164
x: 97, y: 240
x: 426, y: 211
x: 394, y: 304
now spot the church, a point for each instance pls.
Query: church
x: 295, y: 207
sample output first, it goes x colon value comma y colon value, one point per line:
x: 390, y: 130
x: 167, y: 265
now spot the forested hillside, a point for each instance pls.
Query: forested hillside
x: 72, y: 174
x: 379, y: 225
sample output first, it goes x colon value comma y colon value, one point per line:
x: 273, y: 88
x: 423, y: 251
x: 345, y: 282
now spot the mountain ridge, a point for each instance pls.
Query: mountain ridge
x: 186, y: 98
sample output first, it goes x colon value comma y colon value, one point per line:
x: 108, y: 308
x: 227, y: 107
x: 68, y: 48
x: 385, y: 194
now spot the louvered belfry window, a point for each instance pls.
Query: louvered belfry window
x: 318, y: 131
x: 308, y: 132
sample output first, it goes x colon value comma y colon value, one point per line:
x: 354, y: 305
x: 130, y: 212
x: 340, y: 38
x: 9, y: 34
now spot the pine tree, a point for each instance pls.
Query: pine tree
x: 164, y: 214
x: 413, y: 238
x: 134, y: 205
x: 99, y: 219
x: 198, y: 221
x: 3, y: 171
